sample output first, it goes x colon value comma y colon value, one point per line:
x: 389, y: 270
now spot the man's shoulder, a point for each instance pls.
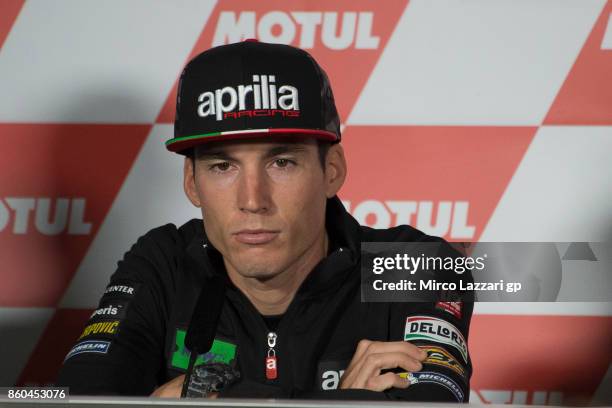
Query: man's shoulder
x: 156, y: 254
x: 171, y: 236
x: 400, y: 233
x: 163, y: 243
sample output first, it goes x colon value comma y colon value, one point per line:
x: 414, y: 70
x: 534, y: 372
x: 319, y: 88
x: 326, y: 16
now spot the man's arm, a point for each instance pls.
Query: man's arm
x: 441, y: 329
x: 436, y: 368
x: 427, y: 342
x: 120, y: 351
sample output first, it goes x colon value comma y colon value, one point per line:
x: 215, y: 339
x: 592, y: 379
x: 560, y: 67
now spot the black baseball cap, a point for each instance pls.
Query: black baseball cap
x: 253, y: 89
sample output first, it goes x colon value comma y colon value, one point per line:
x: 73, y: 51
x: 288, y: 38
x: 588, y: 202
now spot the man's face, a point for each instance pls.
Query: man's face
x: 263, y: 203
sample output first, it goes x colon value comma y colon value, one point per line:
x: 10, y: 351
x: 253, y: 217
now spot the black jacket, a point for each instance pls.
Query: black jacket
x: 134, y: 341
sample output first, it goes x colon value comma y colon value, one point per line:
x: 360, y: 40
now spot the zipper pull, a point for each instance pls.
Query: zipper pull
x: 271, y: 372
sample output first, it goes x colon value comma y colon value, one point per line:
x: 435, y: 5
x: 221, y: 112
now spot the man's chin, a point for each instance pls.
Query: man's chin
x: 259, y: 273
x: 256, y: 266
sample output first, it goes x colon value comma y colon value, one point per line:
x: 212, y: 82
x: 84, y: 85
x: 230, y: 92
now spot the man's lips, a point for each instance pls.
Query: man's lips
x: 255, y: 236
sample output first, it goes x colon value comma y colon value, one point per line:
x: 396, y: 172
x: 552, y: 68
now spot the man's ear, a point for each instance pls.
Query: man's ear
x: 189, y: 182
x: 335, y: 170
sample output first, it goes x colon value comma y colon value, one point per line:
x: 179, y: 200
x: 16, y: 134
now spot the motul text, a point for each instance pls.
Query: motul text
x: 337, y: 31
x: 451, y: 217
x: 68, y: 215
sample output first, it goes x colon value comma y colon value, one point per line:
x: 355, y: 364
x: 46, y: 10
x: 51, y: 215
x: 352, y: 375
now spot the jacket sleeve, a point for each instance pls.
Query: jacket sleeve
x: 441, y: 328
x: 446, y: 373
x: 120, y: 350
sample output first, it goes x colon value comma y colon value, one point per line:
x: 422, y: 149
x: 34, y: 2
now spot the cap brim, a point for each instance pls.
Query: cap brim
x: 178, y: 144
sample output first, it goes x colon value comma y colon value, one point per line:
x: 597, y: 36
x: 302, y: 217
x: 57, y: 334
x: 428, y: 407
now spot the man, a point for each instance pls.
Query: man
x: 260, y: 133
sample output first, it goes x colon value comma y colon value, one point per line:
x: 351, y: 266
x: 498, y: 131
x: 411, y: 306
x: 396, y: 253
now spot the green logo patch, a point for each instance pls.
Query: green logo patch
x: 220, y: 352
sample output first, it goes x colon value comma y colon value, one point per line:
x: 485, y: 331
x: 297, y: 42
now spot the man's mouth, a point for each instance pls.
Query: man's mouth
x: 255, y: 236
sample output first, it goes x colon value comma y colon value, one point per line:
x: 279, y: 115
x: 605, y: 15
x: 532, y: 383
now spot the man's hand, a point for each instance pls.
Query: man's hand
x: 173, y: 388
x: 373, y: 356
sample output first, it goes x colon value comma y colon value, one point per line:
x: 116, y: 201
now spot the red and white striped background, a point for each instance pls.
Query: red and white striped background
x: 470, y: 119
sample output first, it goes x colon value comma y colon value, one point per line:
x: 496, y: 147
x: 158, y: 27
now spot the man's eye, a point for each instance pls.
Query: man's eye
x: 283, y: 162
x: 224, y: 166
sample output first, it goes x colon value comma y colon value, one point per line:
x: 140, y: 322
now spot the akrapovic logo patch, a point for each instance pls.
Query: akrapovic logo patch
x: 437, y: 330
x: 109, y: 327
x: 264, y: 97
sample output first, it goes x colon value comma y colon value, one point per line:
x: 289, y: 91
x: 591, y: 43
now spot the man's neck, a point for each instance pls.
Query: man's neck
x: 273, y: 296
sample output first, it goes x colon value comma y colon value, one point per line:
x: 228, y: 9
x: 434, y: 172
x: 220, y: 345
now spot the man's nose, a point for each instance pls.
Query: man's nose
x: 254, y: 191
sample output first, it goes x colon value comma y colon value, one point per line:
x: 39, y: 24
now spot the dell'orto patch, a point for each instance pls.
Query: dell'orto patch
x: 429, y: 328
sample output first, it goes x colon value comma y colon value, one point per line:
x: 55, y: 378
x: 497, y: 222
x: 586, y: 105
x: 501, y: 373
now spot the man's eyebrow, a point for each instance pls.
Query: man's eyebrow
x: 285, y: 148
x: 222, y: 154
x: 214, y: 154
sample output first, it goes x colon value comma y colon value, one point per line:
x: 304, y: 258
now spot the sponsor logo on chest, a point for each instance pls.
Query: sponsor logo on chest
x: 329, y: 374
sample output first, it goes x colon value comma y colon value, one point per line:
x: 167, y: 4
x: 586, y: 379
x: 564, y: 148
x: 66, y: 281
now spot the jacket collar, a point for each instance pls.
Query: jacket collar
x: 344, y: 251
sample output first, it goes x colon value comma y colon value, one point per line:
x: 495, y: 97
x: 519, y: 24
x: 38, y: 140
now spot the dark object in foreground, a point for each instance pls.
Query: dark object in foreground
x: 210, y: 377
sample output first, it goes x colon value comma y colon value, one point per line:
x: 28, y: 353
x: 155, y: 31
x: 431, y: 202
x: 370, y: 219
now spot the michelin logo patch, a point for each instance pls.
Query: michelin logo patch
x: 437, y: 330
x: 91, y: 346
x: 437, y: 378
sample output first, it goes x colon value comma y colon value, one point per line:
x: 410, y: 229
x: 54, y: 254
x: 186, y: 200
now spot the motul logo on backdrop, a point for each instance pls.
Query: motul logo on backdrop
x: 441, y: 218
x: 336, y: 30
x: 22, y: 215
